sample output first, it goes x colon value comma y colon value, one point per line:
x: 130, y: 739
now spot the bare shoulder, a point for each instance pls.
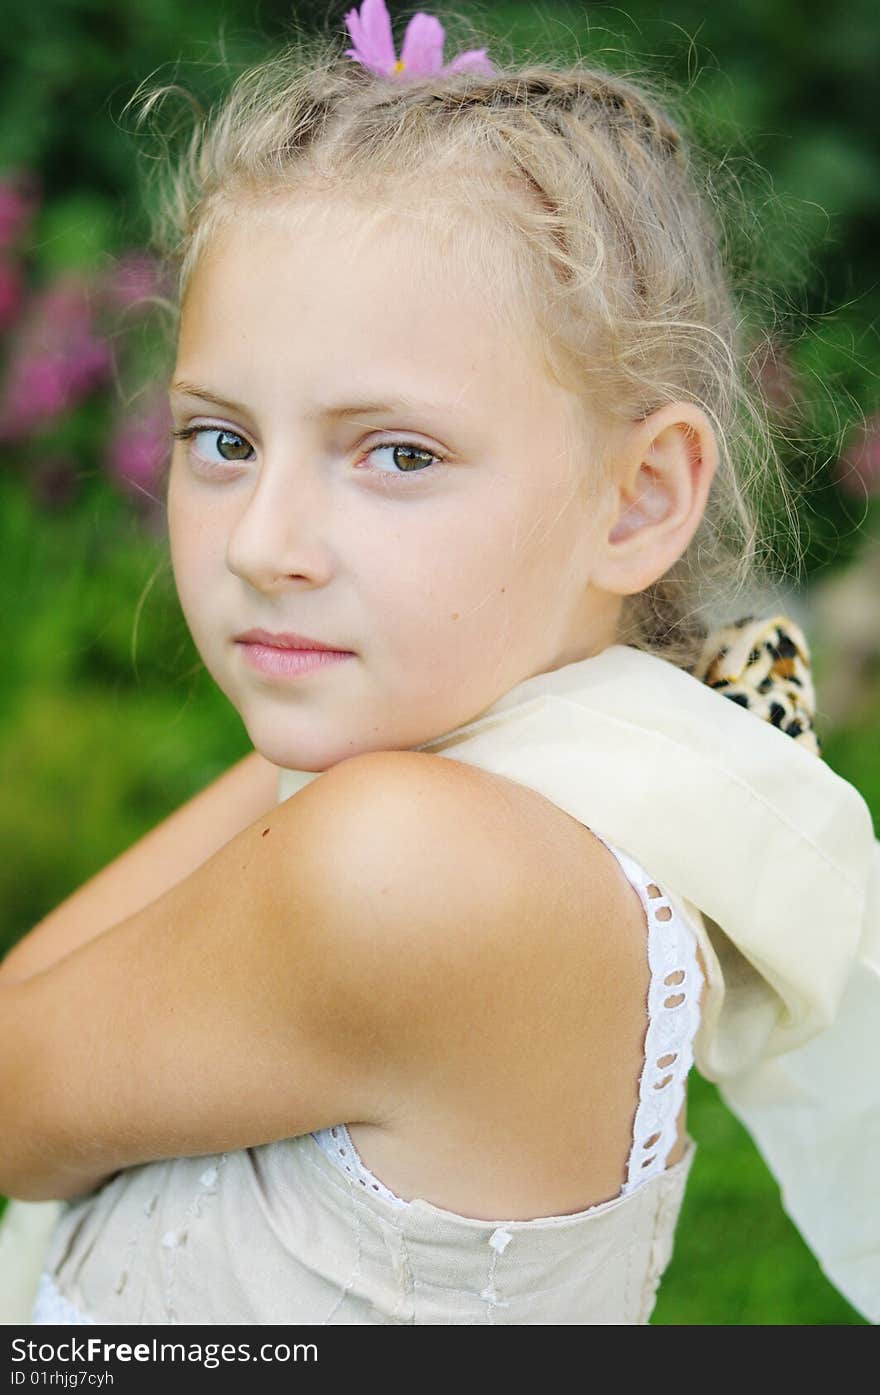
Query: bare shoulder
x: 477, y: 810
x: 518, y: 1005
x: 477, y: 820
x: 479, y: 856
x: 495, y: 904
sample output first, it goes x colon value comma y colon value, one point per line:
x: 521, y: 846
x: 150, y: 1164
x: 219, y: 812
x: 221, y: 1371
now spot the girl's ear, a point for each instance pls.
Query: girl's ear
x: 661, y: 479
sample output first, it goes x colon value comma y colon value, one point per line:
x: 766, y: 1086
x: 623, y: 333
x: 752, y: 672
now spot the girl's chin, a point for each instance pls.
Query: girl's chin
x: 300, y: 751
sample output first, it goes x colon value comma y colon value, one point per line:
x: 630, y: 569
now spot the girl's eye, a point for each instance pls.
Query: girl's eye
x: 227, y: 440
x: 407, y: 457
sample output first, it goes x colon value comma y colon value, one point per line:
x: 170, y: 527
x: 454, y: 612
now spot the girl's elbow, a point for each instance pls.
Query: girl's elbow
x: 15, y: 1192
x: 33, y: 1166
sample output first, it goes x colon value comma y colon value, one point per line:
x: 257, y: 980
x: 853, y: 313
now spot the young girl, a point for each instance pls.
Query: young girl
x: 393, y: 1023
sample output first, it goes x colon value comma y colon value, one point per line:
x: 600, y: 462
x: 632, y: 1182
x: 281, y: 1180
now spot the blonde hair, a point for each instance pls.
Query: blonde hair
x: 594, y: 221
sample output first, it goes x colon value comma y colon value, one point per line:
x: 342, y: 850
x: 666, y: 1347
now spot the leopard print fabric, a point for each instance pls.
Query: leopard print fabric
x: 764, y: 665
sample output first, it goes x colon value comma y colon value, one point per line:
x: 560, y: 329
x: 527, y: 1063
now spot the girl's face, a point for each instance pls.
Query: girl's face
x: 443, y: 535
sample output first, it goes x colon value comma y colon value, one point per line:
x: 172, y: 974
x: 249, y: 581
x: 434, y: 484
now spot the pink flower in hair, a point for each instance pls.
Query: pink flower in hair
x: 421, y: 52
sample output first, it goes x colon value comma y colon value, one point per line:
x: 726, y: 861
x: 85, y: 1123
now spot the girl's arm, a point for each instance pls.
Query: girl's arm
x: 381, y: 943
x: 157, y: 861
x: 250, y: 1002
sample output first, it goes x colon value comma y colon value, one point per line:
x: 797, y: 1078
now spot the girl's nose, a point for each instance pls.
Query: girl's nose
x: 280, y: 533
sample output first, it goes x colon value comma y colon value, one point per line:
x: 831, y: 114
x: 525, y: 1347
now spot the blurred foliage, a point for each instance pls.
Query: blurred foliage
x: 108, y: 719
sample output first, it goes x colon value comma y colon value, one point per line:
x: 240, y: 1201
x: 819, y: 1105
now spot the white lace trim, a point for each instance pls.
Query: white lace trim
x: 673, y: 1019
x: 337, y: 1144
x: 51, y: 1307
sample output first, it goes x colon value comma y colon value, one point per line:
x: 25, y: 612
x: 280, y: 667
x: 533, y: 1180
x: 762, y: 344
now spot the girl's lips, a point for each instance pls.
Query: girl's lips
x: 286, y: 640
x: 290, y: 663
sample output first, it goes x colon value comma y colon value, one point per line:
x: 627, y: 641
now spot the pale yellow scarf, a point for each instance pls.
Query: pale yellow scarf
x: 774, y: 856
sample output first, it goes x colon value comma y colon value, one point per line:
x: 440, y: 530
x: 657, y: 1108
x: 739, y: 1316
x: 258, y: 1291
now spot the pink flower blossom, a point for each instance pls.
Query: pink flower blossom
x: 140, y: 449
x: 58, y: 359
x: 421, y: 52
x: 858, y: 469
x: 19, y: 198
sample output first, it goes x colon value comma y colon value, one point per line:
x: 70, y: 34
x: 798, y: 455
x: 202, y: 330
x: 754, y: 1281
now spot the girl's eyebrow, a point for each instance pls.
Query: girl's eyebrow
x: 330, y: 409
